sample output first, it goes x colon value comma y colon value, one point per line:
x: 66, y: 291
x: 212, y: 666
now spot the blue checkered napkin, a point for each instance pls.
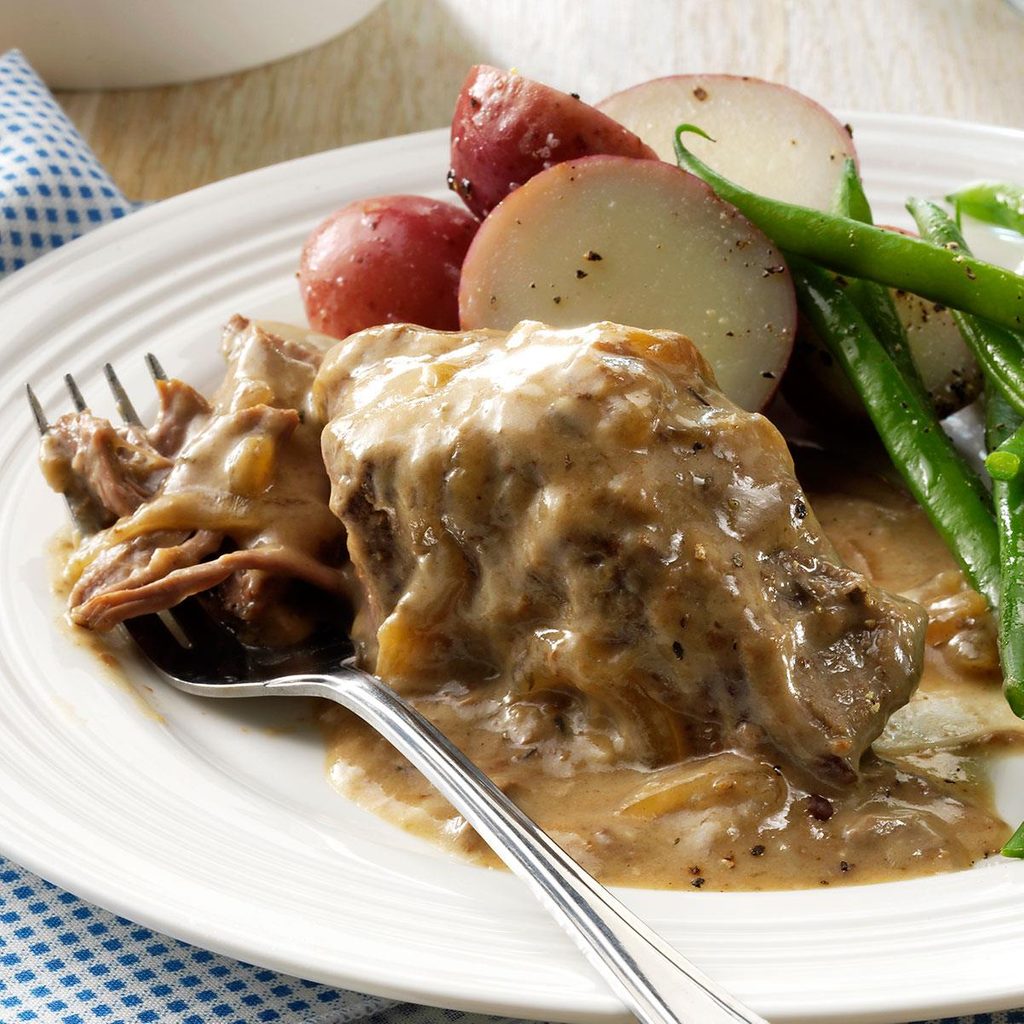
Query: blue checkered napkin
x: 63, y: 961
x: 51, y: 187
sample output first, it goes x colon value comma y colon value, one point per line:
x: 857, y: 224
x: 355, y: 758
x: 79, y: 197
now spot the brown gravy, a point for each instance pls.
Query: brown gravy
x: 729, y: 820
x: 668, y: 770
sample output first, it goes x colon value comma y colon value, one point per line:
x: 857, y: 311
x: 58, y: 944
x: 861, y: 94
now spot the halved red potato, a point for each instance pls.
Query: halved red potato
x: 818, y: 388
x: 769, y: 138
x: 642, y: 243
x: 506, y: 128
x: 392, y: 259
x: 948, y: 370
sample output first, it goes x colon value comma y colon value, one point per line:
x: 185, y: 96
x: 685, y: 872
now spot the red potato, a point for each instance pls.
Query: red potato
x: 506, y: 128
x: 948, y: 369
x: 641, y: 243
x: 769, y: 138
x: 393, y: 259
x: 818, y: 388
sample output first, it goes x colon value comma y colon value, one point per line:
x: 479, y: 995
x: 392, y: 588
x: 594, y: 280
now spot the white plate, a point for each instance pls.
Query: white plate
x: 196, y: 819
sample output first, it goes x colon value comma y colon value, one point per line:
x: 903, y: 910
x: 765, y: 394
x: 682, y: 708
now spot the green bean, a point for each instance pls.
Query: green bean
x: 1002, y: 465
x: 1015, y: 844
x: 999, y: 352
x: 850, y: 199
x: 1004, y: 432
x: 875, y: 300
x: 861, y: 250
x: 1005, y: 444
x: 950, y: 494
x: 1003, y: 428
x: 994, y: 202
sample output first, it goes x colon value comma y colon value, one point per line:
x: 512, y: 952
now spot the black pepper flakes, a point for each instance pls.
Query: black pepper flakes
x: 575, y: 95
x: 695, y: 871
x: 757, y: 851
x: 592, y: 256
x: 844, y: 866
x: 819, y: 808
x: 697, y: 883
x: 557, y: 300
x: 800, y: 509
x: 462, y: 187
x: 677, y: 650
x: 580, y: 274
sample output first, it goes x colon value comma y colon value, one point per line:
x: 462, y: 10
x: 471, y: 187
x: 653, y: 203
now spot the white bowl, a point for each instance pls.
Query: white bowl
x: 110, y: 44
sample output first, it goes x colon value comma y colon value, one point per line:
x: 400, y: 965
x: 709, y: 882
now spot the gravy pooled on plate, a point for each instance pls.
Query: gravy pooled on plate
x: 604, y: 582
x: 599, y: 577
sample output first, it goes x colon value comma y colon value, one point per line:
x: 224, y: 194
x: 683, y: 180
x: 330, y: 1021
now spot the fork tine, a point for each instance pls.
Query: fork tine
x: 37, y: 410
x: 201, y: 629
x: 76, y: 395
x: 214, y: 653
x: 124, y: 403
x: 158, y: 644
x: 81, y: 518
x: 158, y: 372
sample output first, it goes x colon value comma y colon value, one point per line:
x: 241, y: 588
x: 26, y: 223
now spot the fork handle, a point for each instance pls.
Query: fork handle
x: 654, y: 981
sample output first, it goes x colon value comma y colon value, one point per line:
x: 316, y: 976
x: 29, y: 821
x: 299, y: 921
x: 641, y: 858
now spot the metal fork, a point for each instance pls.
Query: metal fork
x: 203, y: 657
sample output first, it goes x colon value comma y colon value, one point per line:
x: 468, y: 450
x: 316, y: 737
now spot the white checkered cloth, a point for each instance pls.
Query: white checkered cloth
x: 64, y: 961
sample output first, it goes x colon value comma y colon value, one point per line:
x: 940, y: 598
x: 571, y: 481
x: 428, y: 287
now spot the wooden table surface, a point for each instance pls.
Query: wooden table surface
x: 400, y: 69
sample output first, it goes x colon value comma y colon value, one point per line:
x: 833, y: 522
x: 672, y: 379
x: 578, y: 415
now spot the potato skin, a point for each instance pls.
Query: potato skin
x: 392, y: 259
x: 507, y: 128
